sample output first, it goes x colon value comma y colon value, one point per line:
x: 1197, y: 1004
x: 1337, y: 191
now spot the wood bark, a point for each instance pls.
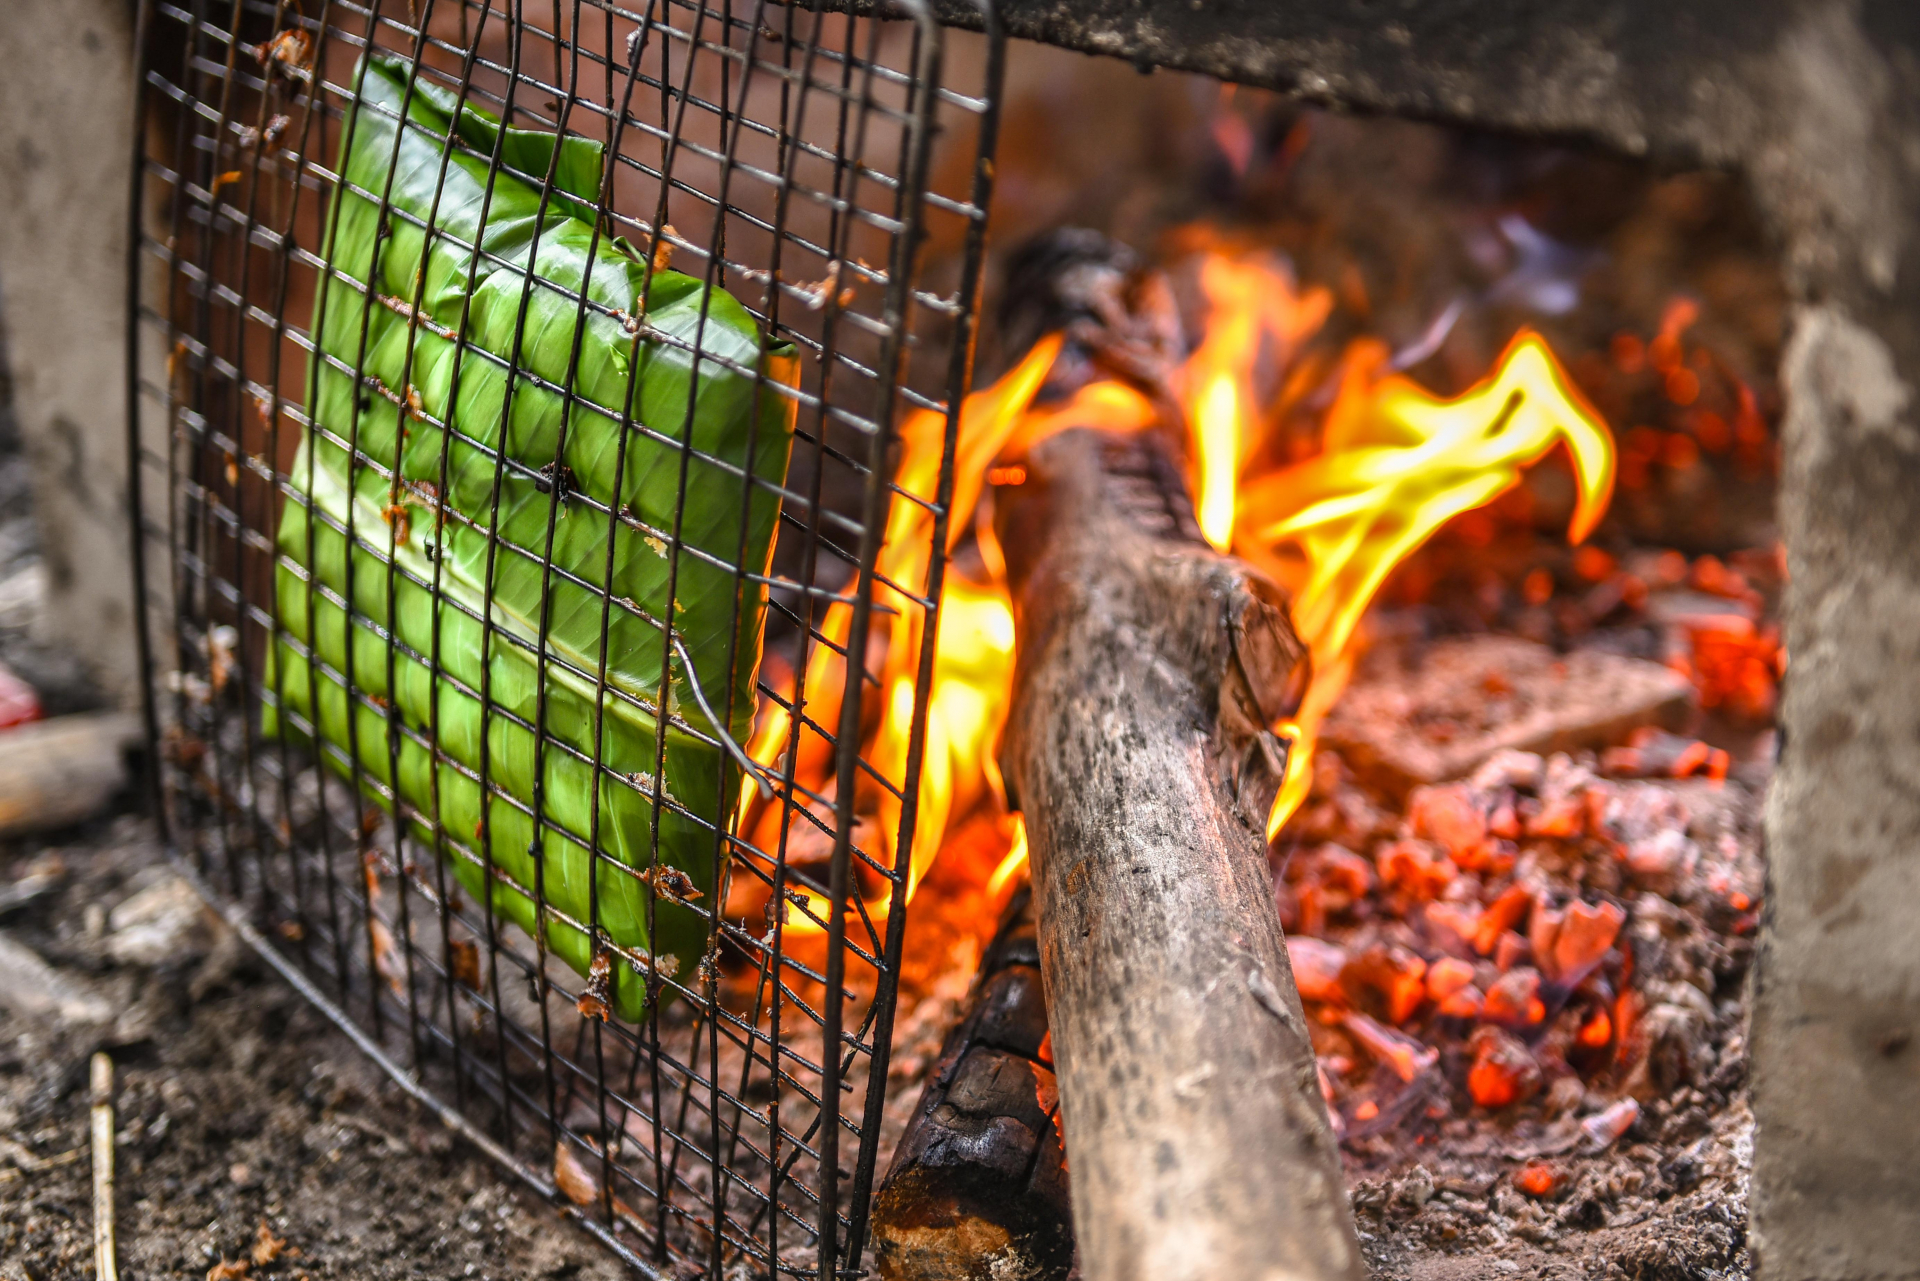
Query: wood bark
x: 1148, y: 670
x: 977, y: 1189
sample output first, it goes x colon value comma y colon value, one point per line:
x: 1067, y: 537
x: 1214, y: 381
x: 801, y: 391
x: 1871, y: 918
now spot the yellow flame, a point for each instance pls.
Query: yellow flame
x: 1254, y: 311
x: 1015, y: 860
x: 973, y: 654
x: 1396, y: 464
x: 1216, y: 431
x: 966, y: 710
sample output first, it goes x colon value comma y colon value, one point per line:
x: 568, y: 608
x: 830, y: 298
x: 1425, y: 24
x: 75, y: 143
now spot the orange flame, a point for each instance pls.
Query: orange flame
x: 1396, y: 464
x: 1252, y: 306
x: 973, y: 654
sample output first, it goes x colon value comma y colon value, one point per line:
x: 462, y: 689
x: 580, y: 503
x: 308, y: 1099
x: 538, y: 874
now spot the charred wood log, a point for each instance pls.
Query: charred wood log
x: 1149, y: 669
x: 978, y: 1186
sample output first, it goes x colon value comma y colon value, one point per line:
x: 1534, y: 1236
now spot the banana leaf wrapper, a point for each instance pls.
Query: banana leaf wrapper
x: 376, y: 464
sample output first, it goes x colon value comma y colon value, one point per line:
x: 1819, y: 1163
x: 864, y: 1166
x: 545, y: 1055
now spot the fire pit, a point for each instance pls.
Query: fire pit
x: 1503, y: 846
x: 1354, y: 528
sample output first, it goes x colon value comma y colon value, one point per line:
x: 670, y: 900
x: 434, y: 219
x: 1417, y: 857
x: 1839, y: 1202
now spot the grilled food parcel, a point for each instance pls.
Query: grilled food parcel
x: 448, y: 528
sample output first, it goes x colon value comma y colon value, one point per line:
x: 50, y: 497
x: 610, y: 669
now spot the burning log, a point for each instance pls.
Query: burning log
x: 978, y: 1185
x: 1149, y: 669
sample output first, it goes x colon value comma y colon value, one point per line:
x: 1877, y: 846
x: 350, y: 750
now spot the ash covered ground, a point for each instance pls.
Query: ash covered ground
x: 1517, y: 1148
x: 239, y: 1107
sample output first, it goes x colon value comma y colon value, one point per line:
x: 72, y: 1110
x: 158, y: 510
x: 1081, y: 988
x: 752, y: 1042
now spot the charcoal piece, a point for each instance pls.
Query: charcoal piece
x: 978, y: 1185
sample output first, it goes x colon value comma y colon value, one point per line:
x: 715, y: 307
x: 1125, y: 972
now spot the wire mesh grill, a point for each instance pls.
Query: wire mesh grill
x: 399, y: 727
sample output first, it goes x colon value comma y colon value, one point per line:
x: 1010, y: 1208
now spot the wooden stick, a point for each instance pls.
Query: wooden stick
x: 60, y: 772
x: 978, y: 1186
x: 104, y: 1267
x: 1148, y: 670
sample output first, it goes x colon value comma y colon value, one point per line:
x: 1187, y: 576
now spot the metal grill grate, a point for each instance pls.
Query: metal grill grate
x: 343, y: 649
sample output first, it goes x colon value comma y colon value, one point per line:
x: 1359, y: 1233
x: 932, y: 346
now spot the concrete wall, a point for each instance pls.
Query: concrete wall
x: 66, y: 114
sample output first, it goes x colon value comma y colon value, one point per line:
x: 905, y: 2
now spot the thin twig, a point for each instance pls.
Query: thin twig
x: 27, y: 1162
x: 104, y: 1267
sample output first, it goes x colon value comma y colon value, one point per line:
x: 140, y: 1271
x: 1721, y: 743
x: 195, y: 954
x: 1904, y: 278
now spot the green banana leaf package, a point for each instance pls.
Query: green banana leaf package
x: 427, y: 505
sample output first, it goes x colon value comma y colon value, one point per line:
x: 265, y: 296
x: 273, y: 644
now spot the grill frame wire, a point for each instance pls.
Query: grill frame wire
x: 220, y: 825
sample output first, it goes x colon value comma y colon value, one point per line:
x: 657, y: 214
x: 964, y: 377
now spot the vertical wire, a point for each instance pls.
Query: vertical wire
x: 604, y: 215
x: 516, y: 39
x: 358, y: 405
x: 645, y: 1046
x: 959, y: 378
x: 623, y: 428
x: 556, y: 496
x: 283, y: 269
x: 839, y: 228
x: 444, y: 851
x: 178, y: 495
x: 792, y: 130
x: 709, y: 976
x: 670, y: 147
x: 394, y: 715
x: 204, y: 497
x: 847, y: 732
x: 724, y: 851
x: 406, y: 813
x: 239, y: 400
x: 893, y: 352
x: 777, y: 901
x: 436, y: 755
x: 136, y: 490
x: 716, y: 278
x: 316, y: 357
x: 310, y: 576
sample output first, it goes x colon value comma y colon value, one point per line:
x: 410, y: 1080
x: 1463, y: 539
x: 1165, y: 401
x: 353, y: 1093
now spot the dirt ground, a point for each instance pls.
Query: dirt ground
x: 238, y: 1106
x: 241, y: 1109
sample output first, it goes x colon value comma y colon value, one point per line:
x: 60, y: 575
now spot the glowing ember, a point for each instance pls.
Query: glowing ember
x: 1447, y: 976
x: 1537, y: 1179
x: 1586, y: 931
x: 1415, y: 868
x: 1316, y: 968
x: 1515, y: 1000
x: 1503, y: 1071
x: 1444, y: 815
x: 1393, y: 976
x: 1463, y: 1003
x: 1502, y: 915
x: 1407, y: 1057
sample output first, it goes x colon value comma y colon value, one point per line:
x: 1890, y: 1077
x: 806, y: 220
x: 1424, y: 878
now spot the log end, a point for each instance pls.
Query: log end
x: 976, y: 1191
x: 978, y: 1188
x: 932, y: 1226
